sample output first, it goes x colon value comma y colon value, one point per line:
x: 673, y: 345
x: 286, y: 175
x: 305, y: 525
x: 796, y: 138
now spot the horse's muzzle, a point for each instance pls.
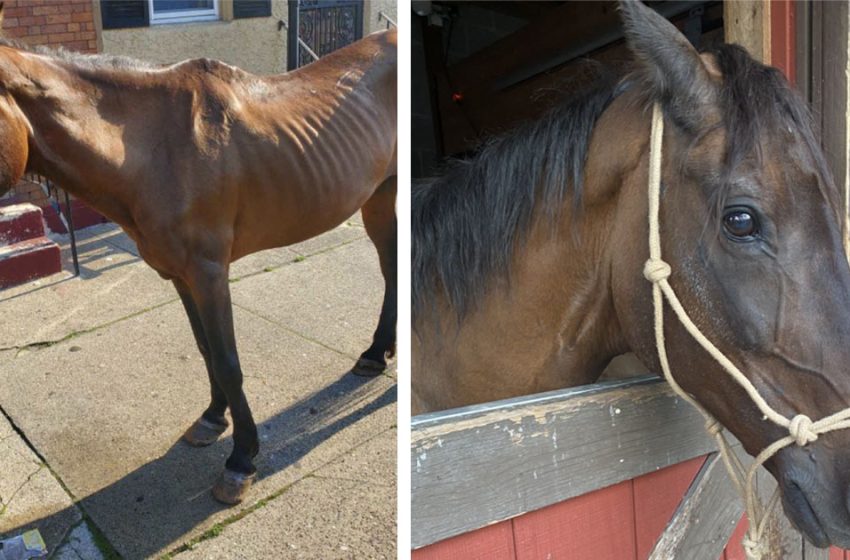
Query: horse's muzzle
x: 815, y: 495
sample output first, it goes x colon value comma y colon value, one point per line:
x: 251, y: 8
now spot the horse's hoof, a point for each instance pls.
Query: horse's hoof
x: 368, y: 368
x: 231, y: 487
x: 203, y: 432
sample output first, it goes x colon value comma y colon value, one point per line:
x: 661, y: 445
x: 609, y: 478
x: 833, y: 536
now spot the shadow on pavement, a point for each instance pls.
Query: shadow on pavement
x: 150, y: 510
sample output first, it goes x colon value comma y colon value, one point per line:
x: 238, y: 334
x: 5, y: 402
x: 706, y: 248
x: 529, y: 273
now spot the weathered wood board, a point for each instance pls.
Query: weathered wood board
x: 706, y: 518
x: 479, y: 465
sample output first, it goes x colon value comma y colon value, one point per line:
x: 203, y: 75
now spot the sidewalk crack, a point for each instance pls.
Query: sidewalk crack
x: 4, y: 506
x: 41, y: 344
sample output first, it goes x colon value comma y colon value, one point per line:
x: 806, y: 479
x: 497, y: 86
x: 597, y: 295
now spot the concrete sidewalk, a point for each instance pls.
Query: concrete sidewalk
x: 99, y: 376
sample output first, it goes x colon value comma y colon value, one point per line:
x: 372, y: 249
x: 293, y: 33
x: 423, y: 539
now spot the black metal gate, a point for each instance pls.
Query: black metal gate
x: 317, y: 27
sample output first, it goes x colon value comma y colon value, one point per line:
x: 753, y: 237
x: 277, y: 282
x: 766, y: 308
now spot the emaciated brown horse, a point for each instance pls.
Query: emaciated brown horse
x: 202, y: 163
x: 528, y: 260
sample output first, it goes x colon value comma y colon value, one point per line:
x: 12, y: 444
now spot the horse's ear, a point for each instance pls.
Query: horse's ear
x: 668, y: 64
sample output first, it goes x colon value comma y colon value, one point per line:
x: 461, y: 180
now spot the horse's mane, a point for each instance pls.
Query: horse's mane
x: 84, y: 60
x: 467, y: 223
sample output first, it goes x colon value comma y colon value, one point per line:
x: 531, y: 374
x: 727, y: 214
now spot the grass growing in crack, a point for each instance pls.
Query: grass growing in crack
x: 299, y: 258
x: 39, y: 345
x: 218, y: 528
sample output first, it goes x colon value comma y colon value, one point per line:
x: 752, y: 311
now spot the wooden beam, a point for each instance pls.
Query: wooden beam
x: 784, y: 542
x: 811, y: 552
x: 747, y: 22
x: 475, y: 466
x: 706, y: 518
x: 520, y: 10
x: 830, y: 83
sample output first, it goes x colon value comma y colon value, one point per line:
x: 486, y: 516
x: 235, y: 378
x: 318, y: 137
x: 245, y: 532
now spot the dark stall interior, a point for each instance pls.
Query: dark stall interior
x: 480, y: 68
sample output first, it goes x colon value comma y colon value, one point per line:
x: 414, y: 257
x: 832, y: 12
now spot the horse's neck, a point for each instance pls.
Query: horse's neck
x: 554, y: 323
x: 70, y: 140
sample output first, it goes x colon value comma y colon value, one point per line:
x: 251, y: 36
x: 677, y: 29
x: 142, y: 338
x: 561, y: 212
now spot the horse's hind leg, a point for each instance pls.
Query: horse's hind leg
x: 207, y: 281
x: 212, y: 423
x: 380, y: 221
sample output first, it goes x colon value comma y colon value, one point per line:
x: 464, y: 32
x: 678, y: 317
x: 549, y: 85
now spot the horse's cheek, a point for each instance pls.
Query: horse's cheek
x: 14, y: 151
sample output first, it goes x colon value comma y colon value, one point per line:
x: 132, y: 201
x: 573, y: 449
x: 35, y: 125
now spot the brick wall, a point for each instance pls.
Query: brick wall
x: 66, y: 23
x: 55, y: 23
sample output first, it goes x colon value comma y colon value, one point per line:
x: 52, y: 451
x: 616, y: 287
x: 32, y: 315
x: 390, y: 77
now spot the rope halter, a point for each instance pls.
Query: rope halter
x: 801, y: 429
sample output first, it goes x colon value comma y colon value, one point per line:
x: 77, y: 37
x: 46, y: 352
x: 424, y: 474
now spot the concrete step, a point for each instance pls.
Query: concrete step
x: 28, y: 260
x: 20, y: 222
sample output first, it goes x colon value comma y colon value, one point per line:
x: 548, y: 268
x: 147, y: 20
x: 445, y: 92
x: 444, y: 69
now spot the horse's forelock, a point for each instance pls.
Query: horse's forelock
x: 756, y: 103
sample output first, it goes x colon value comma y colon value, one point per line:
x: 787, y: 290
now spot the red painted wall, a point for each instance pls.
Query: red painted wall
x: 782, y: 38
x: 619, y: 522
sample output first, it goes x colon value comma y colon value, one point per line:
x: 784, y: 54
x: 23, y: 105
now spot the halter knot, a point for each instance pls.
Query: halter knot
x: 800, y: 429
x: 713, y: 427
x: 656, y: 270
x: 754, y: 548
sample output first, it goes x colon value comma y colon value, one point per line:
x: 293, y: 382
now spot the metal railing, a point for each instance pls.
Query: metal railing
x: 52, y: 192
x: 390, y: 22
x: 283, y: 25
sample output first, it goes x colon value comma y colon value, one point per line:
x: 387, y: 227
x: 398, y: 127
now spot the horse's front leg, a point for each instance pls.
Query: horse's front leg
x: 210, y: 293
x: 208, y: 428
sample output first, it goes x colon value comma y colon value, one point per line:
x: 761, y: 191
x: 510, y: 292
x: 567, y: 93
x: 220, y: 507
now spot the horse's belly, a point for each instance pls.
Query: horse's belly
x: 301, y: 215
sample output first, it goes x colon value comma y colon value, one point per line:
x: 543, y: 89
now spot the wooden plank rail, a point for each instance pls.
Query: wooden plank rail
x: 482, y: 464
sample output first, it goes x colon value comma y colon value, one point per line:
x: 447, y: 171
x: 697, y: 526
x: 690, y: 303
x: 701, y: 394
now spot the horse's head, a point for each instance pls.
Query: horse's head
x: 752, y: 226
x: 14, y: 148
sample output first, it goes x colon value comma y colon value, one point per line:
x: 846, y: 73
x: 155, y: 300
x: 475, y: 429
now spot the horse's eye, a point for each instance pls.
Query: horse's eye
x: 740, y: 223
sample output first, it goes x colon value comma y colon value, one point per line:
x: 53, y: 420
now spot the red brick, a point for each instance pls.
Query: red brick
x: 80, y: 9
x: 73, y: 27
x: 55, y: 28
x: 60, y: 37
x: 81, y: 46
x: 81, y: 16
x: 66, y: 9
x: 59, y: 18
x: 15, y: 33
x: 86, y: 35
x: 16, y: 12
x: 36, y: 39
x: 45, y: 10
x: 10, y: 22
x: 32, y: 20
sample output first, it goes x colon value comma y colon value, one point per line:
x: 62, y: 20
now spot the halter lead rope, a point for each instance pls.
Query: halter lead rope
x: 801, y: 429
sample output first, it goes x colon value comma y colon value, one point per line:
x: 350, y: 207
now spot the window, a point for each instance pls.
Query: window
x: 175, y: 11
x: 121, y: 14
